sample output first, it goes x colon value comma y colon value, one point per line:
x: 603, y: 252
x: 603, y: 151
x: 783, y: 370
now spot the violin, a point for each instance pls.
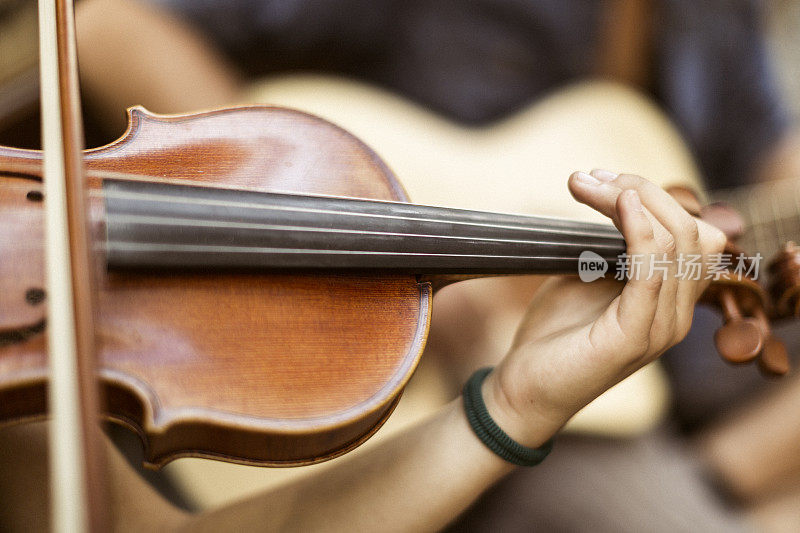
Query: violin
x: 252, y: 305
x: 241, y: 323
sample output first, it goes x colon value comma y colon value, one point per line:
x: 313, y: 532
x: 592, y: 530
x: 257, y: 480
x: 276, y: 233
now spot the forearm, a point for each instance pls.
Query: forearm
x: 420, y: 479
x: 134, y: 54
x: 756, y: 450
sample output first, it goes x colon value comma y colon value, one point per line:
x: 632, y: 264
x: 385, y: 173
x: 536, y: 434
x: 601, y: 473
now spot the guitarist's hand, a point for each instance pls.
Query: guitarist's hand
x: 578, y: 339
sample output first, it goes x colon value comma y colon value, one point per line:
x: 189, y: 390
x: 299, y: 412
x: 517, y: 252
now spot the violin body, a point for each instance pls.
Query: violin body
x: 256, y: 368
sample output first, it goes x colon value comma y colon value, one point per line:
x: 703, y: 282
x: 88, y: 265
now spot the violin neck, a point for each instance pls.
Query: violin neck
x: 157, y: 226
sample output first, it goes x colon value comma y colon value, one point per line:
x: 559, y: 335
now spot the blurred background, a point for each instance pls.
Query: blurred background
x: 531, y: 87
x: 19, y: 74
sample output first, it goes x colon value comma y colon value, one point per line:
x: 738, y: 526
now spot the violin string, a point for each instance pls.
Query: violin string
x: 176, y: 222
x: 599, y: 230
x: 748, y: 192
x: 603, y: 232
x: 206, y: 248
x: 182, y: 182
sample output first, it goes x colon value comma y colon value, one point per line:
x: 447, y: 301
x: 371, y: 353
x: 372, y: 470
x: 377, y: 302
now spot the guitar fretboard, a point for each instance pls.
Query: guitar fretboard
x: 771, y: 212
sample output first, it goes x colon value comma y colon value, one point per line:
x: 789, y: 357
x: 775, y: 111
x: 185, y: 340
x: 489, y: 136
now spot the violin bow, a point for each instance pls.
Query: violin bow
x: 76, y: 454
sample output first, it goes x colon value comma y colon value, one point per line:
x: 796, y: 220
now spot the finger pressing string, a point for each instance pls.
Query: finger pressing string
x: 638, y: 301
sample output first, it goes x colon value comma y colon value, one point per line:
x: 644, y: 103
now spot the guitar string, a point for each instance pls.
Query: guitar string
x: 781, y: 211
x: 777, y: 218
x: 750, y: 198
x: 756, y: 224
x: 797, y: 209
x: 778, y: 210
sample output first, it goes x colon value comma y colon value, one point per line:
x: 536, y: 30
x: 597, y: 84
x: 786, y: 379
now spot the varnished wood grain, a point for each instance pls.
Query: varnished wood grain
x: 21, y: 259
x: 262, y: 369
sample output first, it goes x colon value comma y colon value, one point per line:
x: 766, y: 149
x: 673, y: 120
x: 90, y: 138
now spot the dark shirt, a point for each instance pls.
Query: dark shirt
x: 477, y: 61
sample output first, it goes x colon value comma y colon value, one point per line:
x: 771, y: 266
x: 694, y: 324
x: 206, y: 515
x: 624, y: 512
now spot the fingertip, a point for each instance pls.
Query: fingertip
x: 583, y: 187
x: 604, y: 175
x: 712, y: 239
x: 584, y: 179
x: 600, y: 196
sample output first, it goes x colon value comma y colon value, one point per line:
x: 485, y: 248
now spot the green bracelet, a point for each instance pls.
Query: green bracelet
x: 490, y: 433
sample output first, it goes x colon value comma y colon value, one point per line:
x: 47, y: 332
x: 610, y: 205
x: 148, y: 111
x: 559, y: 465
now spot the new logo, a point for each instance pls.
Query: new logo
x: 591, y: 266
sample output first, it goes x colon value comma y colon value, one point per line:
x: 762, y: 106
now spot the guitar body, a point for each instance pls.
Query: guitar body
x: 519, y: 165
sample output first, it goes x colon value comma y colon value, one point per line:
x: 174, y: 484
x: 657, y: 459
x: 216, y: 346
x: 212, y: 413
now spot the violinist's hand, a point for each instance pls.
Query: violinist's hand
x: 578, y: 339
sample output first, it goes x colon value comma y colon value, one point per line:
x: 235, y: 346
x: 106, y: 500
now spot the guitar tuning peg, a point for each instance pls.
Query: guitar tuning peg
x: 741, y: 339
x: 774, y: 359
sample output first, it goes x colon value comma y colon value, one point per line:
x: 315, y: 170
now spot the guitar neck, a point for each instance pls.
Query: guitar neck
x: 771, y: 212
x: 154, y: 226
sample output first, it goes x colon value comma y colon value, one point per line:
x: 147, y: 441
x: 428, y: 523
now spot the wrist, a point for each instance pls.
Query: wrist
x: 524, y: 421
